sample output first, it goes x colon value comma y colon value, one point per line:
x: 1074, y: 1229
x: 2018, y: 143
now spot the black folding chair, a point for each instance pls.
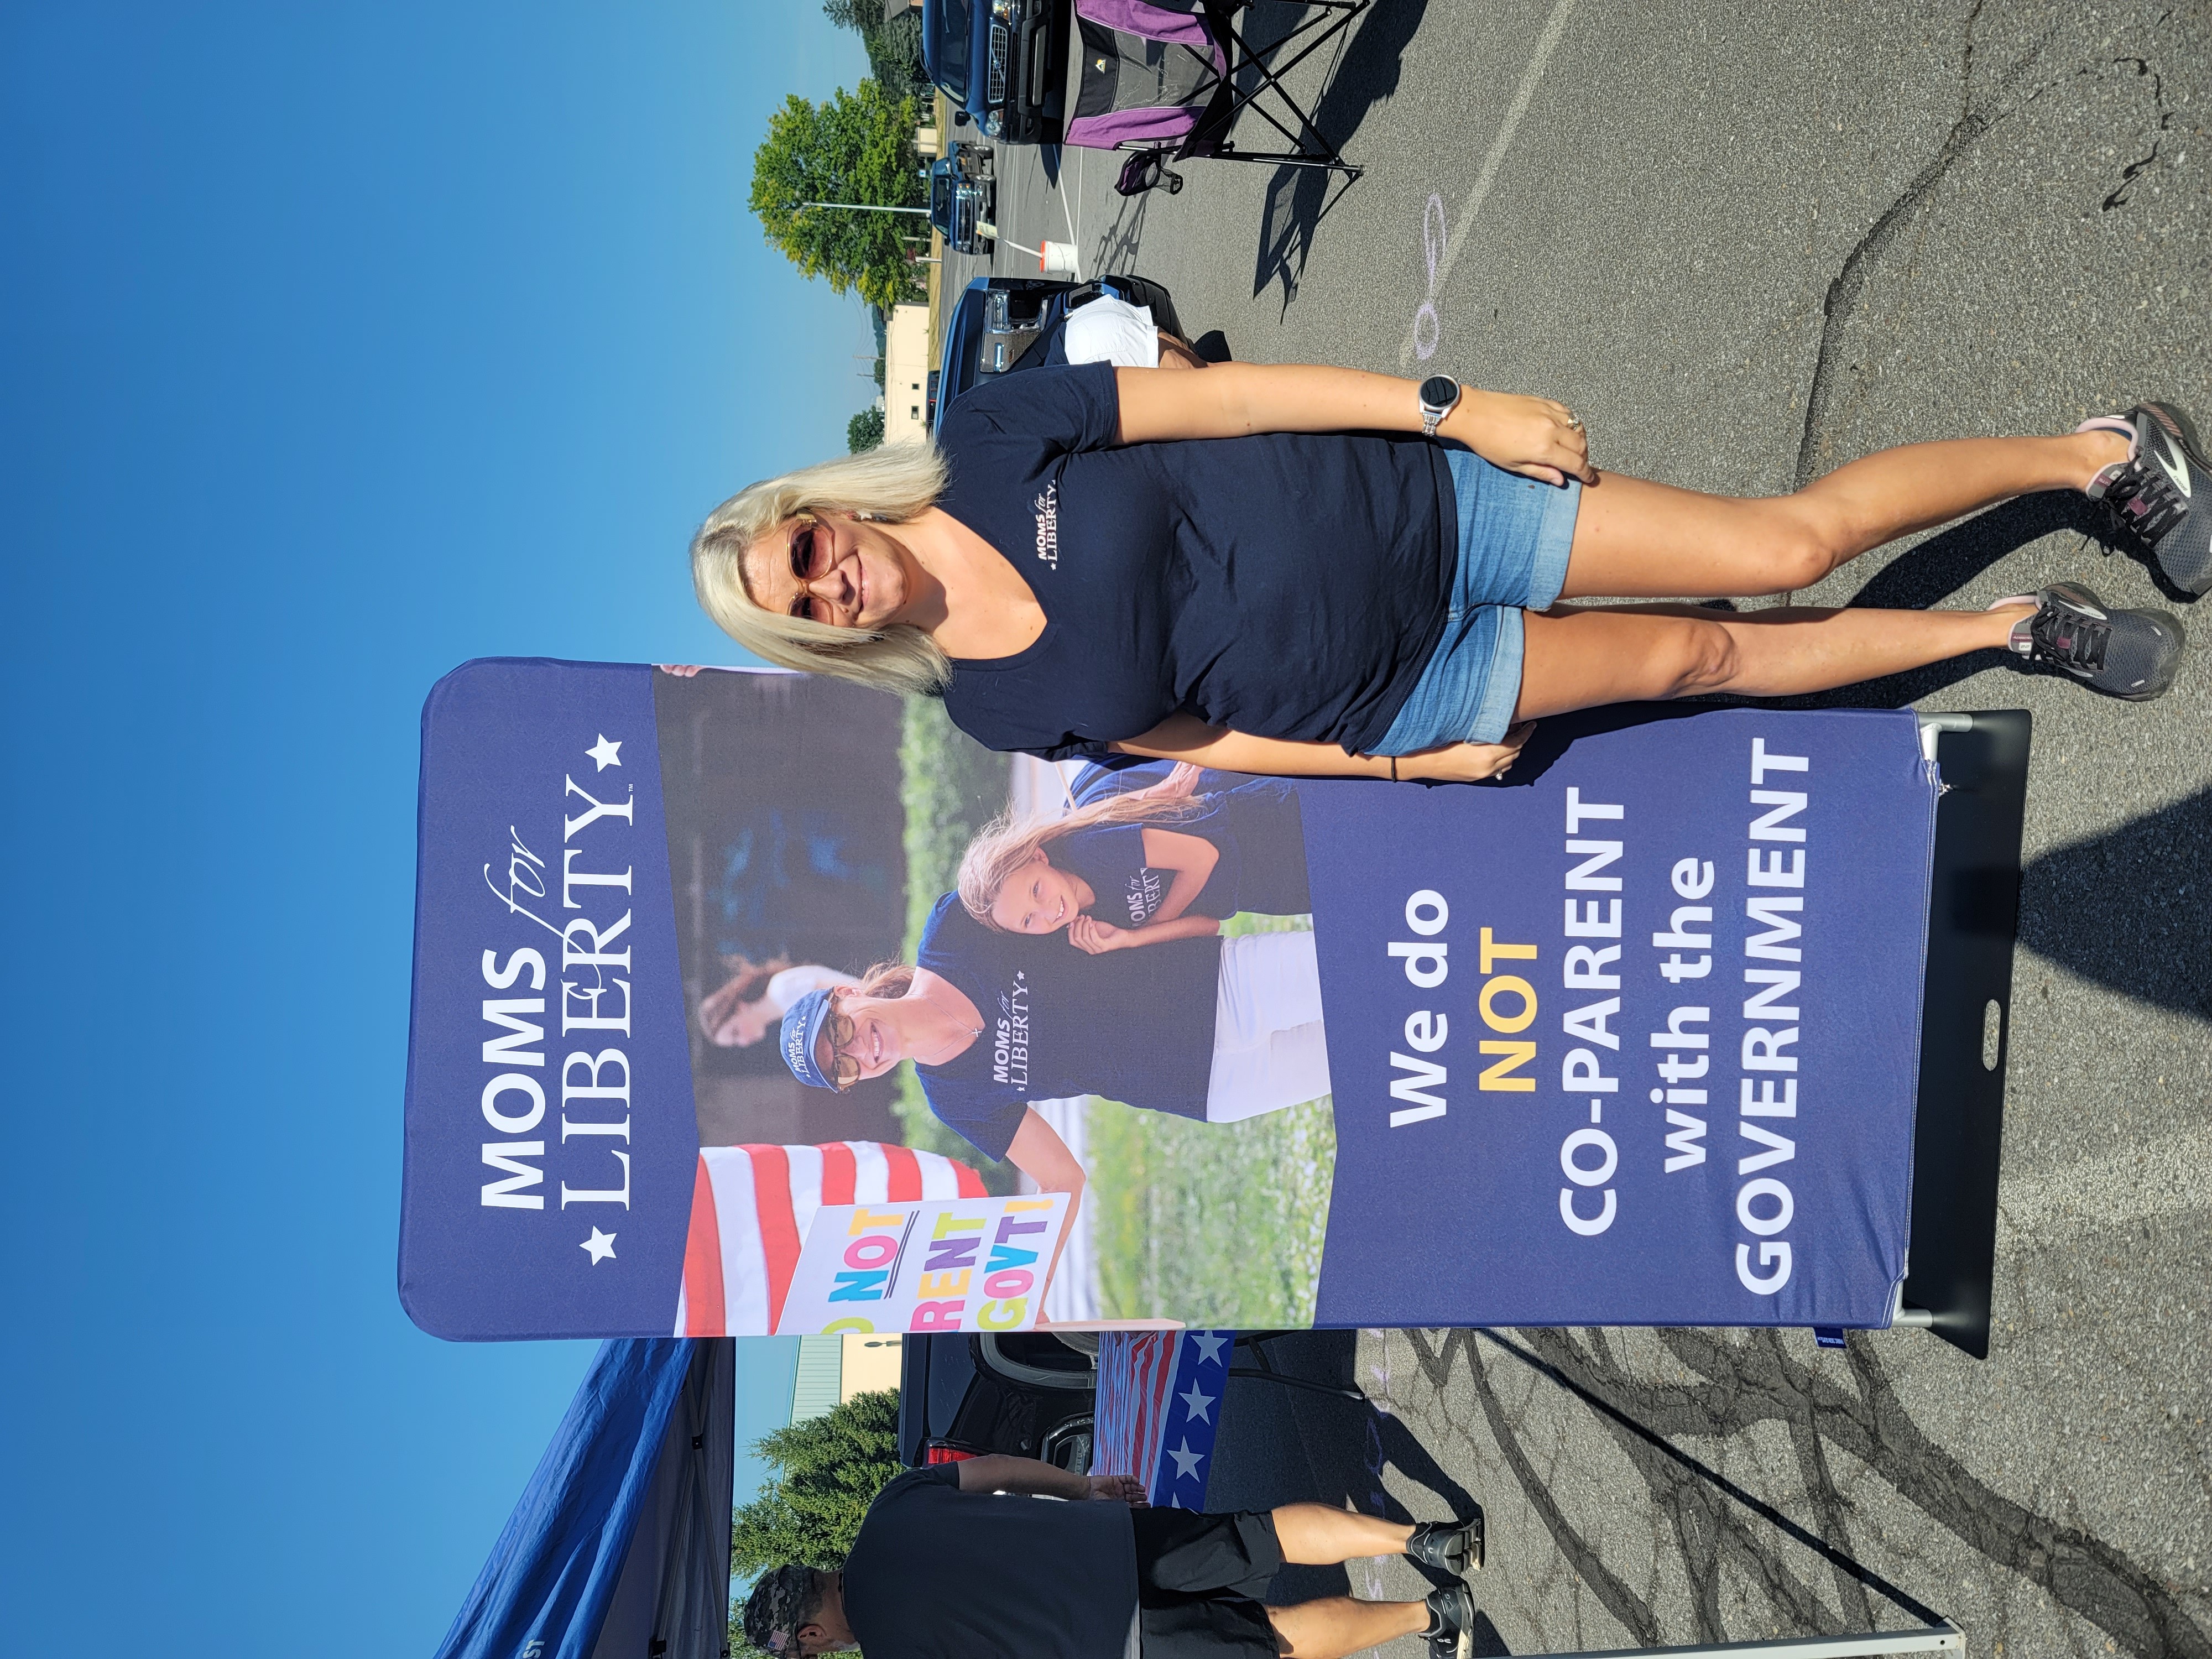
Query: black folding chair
x: 1168, y: 79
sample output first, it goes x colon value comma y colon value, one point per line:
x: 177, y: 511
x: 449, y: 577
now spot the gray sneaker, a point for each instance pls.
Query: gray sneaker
x: 2159, y: 493
x: 1452, y: 1546
x: 2123, y: 654
x: 1452, y: 1621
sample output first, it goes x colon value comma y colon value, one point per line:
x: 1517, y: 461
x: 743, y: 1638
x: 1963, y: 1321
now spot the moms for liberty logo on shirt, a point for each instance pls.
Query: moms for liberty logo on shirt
x: 1047, y: 508
x: 1010, y: 1045
x: 1140, y: 897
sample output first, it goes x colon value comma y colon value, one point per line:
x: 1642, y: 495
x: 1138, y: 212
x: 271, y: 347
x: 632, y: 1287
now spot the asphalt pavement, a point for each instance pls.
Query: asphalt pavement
x: 1748, y: 242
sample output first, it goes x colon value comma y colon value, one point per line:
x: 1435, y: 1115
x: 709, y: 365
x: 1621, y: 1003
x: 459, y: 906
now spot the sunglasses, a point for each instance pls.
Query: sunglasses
x: 843, y: 1070
x: 810, y: 562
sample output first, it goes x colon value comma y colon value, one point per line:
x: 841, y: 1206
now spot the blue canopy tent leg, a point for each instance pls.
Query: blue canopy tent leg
x: 620, y: 1544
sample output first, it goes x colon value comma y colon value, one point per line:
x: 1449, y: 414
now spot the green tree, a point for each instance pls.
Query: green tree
x: 858, y: 147
x: 894, y: 48
x: 865, y: 430
x: 828, y: 1471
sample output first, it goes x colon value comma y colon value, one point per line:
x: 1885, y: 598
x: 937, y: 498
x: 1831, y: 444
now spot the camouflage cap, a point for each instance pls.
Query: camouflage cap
x: 782, y: 1600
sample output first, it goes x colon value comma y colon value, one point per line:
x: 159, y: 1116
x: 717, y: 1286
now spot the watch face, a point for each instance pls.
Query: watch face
x: 1439, y: 390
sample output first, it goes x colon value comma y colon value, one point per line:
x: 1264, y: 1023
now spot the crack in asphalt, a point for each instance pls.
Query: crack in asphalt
x: 1631, y: 1610
x: 2136, y: 168
x: 1978, y: 116
x: 1756, y: 1381
x: 1975, y: 120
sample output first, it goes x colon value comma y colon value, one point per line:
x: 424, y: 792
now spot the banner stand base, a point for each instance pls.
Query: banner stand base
x: 1974, y: 918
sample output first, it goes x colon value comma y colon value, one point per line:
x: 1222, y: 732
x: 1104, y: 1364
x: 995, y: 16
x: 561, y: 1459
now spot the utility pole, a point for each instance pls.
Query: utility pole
x: 862, y: 207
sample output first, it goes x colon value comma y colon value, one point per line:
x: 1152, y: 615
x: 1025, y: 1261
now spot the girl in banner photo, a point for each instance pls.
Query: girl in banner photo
x: 1141, y: 869
x: 1307, y: 571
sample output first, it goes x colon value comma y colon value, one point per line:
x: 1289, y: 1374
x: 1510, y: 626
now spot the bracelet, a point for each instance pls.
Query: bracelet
x: 1394, y: 768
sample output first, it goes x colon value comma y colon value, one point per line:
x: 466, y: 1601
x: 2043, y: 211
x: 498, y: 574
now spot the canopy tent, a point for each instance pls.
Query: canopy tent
x: 619, y: 1545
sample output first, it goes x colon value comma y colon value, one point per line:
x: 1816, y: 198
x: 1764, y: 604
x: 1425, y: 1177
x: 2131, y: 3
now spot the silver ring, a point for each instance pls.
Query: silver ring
x: 1574, y: 421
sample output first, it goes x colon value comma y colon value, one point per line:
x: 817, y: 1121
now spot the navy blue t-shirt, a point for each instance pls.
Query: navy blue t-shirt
x: 1259, y: 864
x: 1289, y: 584
x: 1134, y: 1026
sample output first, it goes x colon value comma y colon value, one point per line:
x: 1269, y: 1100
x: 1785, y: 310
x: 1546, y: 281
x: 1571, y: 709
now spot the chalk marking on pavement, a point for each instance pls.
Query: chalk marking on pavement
x: 1546, y: 43
x: 1432, y: 249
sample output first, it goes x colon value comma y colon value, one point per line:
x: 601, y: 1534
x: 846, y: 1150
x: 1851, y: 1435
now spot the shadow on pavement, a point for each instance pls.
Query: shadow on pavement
x: 1741, y: 1381
x: 1298, y: 198
x: 1927, y: 575
x: 1282, y: 1445
x: 2152, y: 937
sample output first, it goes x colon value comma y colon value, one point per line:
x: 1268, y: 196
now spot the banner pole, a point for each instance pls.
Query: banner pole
x: 1945, y: 1638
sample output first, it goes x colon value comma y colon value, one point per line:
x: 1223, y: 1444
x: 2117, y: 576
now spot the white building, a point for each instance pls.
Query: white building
x: 906, y: 374
x: 832, y: 1369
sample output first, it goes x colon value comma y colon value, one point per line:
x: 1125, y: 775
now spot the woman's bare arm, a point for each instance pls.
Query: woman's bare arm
x: 1527, y: 435
x: 1191, y: 857
x: 1087, y: 934
x: 1038, y: 1152
x: 1184, y: 738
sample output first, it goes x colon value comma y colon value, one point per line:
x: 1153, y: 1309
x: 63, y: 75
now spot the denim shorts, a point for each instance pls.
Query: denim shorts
x: 1514, y: 533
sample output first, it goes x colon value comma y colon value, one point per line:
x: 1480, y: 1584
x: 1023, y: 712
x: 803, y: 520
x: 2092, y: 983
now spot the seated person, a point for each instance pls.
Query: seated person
x: 959, y: 1561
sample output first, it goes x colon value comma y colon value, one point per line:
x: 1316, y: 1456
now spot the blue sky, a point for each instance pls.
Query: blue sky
x: 342, y: 342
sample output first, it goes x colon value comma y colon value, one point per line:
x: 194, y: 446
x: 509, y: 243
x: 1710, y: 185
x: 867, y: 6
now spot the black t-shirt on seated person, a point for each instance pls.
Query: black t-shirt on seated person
x: 1289, y: 584
x: 938, y: 1573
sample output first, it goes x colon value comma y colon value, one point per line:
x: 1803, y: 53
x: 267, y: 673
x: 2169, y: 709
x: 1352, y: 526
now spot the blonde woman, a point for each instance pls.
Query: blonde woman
x: 1135, y: 870
x: 1304, y: 571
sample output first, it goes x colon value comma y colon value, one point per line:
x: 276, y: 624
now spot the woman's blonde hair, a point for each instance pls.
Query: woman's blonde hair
x: 1005, y: 844
x: 894, y: 482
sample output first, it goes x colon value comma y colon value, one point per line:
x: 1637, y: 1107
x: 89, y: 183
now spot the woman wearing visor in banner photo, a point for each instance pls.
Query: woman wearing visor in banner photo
x: 1210, y: 1029
x: 1307, y: 571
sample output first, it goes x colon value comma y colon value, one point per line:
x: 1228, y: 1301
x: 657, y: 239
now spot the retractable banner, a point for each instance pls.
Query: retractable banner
x: 736, y: 1012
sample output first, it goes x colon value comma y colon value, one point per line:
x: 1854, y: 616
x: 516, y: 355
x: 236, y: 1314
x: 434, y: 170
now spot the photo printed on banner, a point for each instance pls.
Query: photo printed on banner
x: 753, y: 1002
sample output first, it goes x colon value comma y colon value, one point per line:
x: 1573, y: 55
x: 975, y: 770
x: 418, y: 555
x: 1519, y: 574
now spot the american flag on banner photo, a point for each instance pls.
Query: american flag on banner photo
x: 1159, y: 1408
x: 751, y: 1208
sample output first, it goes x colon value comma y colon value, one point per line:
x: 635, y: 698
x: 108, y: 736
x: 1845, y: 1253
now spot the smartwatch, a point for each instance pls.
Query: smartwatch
x: 1439, y: 395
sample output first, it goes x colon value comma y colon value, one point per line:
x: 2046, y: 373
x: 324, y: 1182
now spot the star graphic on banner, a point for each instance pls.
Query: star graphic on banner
x: 1209, y: 1346
x: 1186, y: 1461
x: 606, y: 752
x: 599, y: 1246
x: 1198, y: 1405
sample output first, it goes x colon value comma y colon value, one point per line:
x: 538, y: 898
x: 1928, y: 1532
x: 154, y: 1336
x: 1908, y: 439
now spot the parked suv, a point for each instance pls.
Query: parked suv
x: 999, y: 63
x: 1027, y: 1394
x: 1000, y: 324
x: 964, y: 197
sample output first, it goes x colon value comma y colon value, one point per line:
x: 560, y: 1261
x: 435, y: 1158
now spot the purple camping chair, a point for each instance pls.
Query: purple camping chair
x: 1168, y: 79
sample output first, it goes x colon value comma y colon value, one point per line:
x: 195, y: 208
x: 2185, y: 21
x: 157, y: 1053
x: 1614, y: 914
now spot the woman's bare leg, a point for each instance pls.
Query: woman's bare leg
x: 1336, y: 1625
x: 1584, y: 659
x: 1316, y: 1535
x: 1635, y: 539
